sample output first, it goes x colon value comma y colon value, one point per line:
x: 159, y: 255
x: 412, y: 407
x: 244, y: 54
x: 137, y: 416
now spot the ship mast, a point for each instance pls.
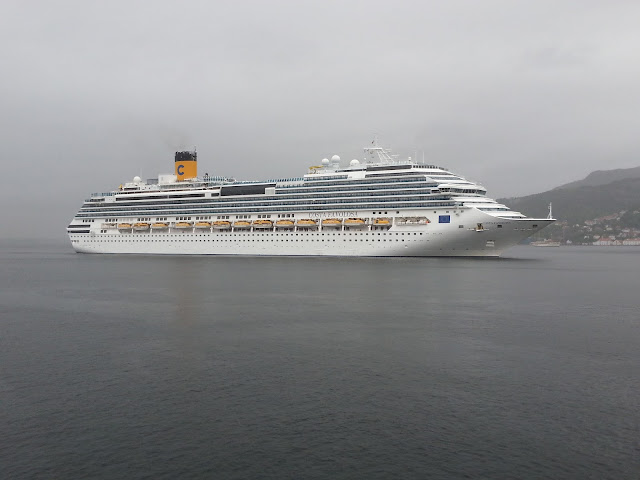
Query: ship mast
x: 384, y: 155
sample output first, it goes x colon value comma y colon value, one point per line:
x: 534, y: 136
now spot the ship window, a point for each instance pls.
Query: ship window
x: 462, y: 226
x: 534, y: 226
x: 499, y: 226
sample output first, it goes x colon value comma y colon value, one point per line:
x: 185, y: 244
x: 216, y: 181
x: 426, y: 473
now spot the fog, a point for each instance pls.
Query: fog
x: 518, y: 96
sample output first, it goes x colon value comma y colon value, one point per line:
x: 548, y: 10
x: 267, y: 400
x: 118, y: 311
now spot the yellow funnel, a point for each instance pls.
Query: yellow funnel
x: 186, y: 165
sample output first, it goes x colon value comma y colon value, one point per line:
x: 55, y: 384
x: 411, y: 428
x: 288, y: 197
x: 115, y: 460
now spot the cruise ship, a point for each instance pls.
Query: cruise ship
x: 378, y: 206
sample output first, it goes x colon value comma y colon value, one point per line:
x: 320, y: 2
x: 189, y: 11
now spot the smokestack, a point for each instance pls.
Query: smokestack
x: 186, y: 165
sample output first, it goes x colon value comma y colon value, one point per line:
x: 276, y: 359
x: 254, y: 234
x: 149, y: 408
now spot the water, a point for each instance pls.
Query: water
x: 174, y: 367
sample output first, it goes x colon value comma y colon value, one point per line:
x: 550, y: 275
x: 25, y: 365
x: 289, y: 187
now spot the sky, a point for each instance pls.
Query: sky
x: 519, y: 96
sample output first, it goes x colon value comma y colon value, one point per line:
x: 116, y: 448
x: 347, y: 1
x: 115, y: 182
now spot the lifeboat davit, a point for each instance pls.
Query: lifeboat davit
x: 412, y: 220
x: 262, y: 224
x: 183, y: 225
x: 221, y: 225
x: 306, y: 222
x: 241, y: 224
x: 141, y: 227
x: 332, y: 222
x: 354, y: 222
x: 284, y: 224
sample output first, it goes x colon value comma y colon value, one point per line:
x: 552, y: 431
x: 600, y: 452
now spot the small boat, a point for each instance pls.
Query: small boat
x: 354, y: 222
x: 183, y: 225
x: 382, y: 221
x: 159, y: 226
x: 124, y: 226
x: 331, y: 222
x: 306, y: 222
x: 262, y: 224
x: 241, y: 224
x: 203, y: 225
x: 221, y: 225
x: 141, y: 227
x: 284, y: 224
x: 412, y: 221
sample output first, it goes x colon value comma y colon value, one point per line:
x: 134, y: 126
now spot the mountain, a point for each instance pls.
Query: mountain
x: 600, y: 193
x: 604, y: 177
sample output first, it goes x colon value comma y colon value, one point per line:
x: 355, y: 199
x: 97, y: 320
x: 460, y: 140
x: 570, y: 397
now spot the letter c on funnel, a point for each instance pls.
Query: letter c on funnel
x: 179, y: 169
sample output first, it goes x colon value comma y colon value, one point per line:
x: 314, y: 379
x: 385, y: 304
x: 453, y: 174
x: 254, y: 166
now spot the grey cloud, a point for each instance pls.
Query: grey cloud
x: 520, y: 96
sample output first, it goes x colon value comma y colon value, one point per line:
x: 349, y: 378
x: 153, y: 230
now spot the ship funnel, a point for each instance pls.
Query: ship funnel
x: 186, y: 165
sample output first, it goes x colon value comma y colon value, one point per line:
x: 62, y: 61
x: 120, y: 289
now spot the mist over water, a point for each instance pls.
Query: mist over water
x: 221, y: 367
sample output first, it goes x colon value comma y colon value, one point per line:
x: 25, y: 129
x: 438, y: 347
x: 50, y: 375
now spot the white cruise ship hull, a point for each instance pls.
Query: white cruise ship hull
x: 461, y: 237
x: 384, y: 208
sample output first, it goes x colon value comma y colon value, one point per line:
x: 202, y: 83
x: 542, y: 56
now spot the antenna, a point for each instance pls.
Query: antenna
x: 550, y: 216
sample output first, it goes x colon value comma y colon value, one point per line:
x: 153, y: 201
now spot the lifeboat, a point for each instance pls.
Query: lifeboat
x: 159, y: 226
x: 331, y: 222
x: 412, y: 221
x: 284, y: 224
x: 241, y: 224
x: 141, y: 227
x: 382, y: 221
x: 221, y: 225
x: 306, y: 222
x: 203, y: 225
x: 183, y: 225
x: 354, y: 222
x: 124, y: 226
x: 262, y: 224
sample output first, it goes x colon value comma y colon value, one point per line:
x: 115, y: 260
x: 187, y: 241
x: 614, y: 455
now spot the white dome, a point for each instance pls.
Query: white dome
x: 354, y: 162
x: 325, y: 161
x: 335, y: 159
x: 137, y: 179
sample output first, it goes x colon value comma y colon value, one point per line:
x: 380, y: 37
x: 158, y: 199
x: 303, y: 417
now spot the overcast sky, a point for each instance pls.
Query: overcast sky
x: 520, y: 96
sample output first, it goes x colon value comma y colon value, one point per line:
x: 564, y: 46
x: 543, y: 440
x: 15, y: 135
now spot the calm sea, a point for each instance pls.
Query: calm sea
x: 291, y: 368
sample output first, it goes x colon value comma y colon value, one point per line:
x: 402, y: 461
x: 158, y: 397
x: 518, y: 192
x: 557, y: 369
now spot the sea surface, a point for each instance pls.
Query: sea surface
x: 311, y: 368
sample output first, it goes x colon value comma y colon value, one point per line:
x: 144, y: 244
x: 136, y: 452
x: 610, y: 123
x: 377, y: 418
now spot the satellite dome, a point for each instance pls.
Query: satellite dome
x: 137, y: 179
x: 354, y: 162
x: 325, y: 161
x: 335, y: 158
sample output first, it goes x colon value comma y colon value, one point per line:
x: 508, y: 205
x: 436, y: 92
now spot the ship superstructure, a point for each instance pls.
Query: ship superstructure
x: 380, y: 206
